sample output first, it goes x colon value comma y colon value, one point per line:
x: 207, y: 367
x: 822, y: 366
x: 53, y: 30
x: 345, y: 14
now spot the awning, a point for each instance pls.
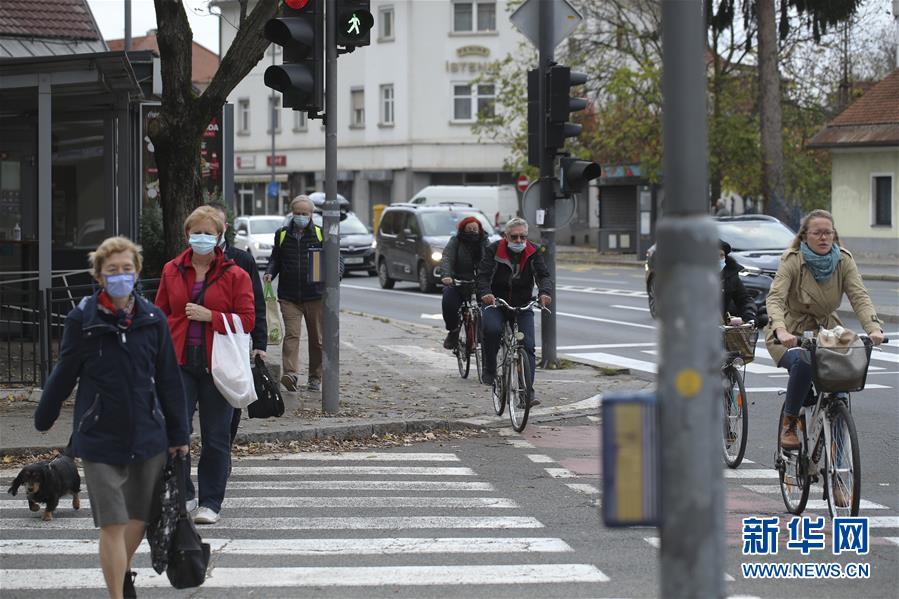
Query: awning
x: 280, y: 178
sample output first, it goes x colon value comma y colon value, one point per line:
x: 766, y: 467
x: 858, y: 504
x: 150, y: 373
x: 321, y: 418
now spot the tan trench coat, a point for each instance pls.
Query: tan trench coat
x: 798, y: 303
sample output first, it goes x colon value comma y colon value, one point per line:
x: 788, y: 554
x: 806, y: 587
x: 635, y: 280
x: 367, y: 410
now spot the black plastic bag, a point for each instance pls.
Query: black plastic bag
x: 269, y: 402
x: 188, y: 554
x: 162, y: 529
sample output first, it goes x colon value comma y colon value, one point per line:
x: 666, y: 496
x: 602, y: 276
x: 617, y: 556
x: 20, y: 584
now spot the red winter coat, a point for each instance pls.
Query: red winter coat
x: 229, y: 291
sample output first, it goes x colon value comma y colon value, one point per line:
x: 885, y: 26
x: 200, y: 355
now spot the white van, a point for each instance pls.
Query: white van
x: 498, y: 202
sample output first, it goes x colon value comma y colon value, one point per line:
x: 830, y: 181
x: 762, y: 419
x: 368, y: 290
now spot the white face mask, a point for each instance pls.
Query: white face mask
x: 721, y: 263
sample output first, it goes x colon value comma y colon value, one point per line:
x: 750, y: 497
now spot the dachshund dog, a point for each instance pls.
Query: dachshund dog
x: 47, y: 482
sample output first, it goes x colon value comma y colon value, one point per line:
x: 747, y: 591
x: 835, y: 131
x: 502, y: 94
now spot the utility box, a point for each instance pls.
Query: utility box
x: 631, y: 494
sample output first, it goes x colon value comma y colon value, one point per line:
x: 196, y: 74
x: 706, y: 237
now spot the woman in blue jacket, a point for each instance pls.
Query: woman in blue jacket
x: 129, y: 409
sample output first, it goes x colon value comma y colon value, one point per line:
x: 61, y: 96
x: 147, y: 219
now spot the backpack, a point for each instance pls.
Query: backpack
x: 269, y: 403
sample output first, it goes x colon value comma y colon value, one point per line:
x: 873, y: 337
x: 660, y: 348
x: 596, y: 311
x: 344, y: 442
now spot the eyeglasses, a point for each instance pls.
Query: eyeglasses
x: 821, y: 234
x: 517, y: 237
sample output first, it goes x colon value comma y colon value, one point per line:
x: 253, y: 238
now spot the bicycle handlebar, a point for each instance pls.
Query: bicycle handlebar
x: 460, y: 282
x: 812, y: 341
x: 501, y: 303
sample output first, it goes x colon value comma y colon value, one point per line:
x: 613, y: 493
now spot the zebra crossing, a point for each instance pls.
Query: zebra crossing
x: 360, y: 522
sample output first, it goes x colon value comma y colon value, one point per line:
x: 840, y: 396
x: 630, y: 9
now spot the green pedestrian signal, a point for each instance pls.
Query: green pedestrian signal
x: 354, y: 23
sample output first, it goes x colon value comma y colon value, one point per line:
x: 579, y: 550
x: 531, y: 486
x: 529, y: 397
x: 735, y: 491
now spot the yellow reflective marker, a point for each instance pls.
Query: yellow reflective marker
x: 688, y: 382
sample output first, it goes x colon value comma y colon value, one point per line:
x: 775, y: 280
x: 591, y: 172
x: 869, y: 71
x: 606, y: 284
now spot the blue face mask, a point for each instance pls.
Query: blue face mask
x: 516, y: 247
x: 721, y: 264
x: 120, y: 285
x: 202, y: 243
x: 301, y: 220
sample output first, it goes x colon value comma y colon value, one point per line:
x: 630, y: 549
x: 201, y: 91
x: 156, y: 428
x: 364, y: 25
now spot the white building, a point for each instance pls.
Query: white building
x: 405, y: 108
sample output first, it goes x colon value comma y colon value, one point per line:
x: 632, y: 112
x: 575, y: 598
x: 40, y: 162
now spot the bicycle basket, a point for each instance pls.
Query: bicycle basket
x: 840, y: 369
x: 742, y: 341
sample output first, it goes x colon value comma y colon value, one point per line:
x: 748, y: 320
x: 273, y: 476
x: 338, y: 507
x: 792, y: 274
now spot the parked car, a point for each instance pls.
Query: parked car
x: 256, y: 234
x: 756, y: 242
x: 498, y: 202
x: 357, y: 244
x: 411, y: 239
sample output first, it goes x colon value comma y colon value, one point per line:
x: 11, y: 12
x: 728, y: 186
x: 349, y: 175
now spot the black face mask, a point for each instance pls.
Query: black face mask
x: 467, y: 236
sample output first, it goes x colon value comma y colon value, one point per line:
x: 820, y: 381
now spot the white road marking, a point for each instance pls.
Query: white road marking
x: 863, y: 504
x: 753, y: 367
x: 613, y: 360
x: 540, y: 459
x: 355, y: 457
x: 583, y: 488
x: 883, y: 356
x: 10, y: 547
x: 618, y: 322
x: 357, y: 470
x: 363, y: 502
x: 654, y: 541
x: 601, y: 291
x: 521, y: 444
x: 437, y: 316
x: 883, y: 522
x: 393, y: 291
x: 893, y: 540
x: 361, y: 485
x: 637, y: 308
x: 349, y: 523
x: 231, y: 578
x: 605, y: 346
x: 765, y: 489
x: 751, y: 473
x: 595, y: 419
x: 560, y: 473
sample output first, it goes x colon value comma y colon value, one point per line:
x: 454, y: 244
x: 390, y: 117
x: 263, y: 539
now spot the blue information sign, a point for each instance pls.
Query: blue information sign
x: 273, y: 189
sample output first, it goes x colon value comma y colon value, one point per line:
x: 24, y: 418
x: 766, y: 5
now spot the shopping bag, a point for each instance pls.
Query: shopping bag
x: 188, y: 555
x: 270, y: 404
x: 162, y: 529
x: 273, y: 315
x: 231, y: 371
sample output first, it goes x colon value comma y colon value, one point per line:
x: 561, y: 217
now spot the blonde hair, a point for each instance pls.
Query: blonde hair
x: 203, y: 213
x: 803, y: 227
x: 110, y: 246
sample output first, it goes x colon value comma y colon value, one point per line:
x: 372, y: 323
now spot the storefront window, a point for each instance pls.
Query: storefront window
x: 79, y: 184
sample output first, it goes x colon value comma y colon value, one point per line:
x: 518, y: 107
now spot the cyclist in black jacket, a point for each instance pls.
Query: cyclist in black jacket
x: 461, y: 257
x: 737, y: 305
x: 509, y: 270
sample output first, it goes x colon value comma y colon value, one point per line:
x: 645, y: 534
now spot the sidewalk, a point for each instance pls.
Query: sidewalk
x: 395, y: 378
x: 872, y: 270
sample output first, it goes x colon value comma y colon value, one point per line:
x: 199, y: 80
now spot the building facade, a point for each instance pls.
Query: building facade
x: 405, y: 108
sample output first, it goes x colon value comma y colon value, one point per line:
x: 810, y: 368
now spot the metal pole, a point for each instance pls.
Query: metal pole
x: 127, y: 25
x: 331, y: 221
x: 689, y: 387
x: 44, y: 208
x: 272, y: 117
x: 548, y: 356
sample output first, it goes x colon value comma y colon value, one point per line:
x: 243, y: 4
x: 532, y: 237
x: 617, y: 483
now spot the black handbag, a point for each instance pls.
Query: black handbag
x: 188, y: 554
x: 269, y: 402
x: 161, y: 530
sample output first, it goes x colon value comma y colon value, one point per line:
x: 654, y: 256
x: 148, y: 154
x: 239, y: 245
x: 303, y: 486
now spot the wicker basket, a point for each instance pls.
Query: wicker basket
x: 741, y: 340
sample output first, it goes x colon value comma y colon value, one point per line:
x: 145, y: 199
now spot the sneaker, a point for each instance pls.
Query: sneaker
x: 128, y: 591
x: 314, y: 384
x: 191, y: 505
x: 534, y: 402
x: 206, y: 515
x: 289, y: 381
x: 452, y: 338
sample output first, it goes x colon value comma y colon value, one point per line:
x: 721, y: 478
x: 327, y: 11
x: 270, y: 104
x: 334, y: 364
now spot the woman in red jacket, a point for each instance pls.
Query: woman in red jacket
x: 197, y: 288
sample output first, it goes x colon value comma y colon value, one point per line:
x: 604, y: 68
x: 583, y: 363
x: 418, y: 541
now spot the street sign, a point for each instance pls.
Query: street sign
x: 273, y: 189
x: 527, y: 20
x: 563, y: 207
x: 522, y: 183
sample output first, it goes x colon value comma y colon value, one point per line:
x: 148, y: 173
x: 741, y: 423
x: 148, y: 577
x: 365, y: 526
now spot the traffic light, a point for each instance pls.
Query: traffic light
x: 575, y: 174
x: 559, y: 80
x: 354, y: 23
x: 534, y: 113
x: 300, y: 30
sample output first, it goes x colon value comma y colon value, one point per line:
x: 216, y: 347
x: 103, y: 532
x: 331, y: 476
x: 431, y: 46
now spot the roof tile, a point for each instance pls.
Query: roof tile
x: 872, y: 120
x: 60, y: 19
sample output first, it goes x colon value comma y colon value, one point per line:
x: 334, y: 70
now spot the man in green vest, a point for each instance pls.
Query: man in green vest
x: 297, y: 259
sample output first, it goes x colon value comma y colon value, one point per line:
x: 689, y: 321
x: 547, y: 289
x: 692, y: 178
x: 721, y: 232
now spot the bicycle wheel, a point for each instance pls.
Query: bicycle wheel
x: 794, y: 479
x: 499, y: 392
x: 463, y: 357
x: 736, y: 418
x: 519, y: 394
x: 842, y: 468
x: 476, y: 342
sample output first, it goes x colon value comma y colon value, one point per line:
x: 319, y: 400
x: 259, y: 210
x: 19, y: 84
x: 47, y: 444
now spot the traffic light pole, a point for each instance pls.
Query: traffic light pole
x: 331, y: 224
x: 688, y: 288
x: 548, y: 356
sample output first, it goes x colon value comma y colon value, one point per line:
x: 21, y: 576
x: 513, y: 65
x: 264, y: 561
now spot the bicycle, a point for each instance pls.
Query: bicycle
x: 513, y: 363
x: 833, y: 436
x: 469, y: 340
x: 739, y: 344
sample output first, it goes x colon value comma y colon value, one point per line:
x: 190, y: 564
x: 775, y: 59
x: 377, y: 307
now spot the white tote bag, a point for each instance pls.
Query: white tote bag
x: 231, y: 370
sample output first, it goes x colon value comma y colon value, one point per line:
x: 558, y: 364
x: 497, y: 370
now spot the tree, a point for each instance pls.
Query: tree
x: 184, y: 115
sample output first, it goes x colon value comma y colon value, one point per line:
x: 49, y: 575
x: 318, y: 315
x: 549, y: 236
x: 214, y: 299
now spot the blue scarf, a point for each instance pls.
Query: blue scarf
x: 821, y: 266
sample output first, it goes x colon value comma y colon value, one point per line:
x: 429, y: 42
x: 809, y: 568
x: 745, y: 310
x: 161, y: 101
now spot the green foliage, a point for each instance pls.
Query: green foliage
x: 152, y: 241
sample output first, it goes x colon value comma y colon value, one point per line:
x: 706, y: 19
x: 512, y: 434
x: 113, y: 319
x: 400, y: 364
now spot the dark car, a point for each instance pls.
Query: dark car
x: 357, y: 244
x: 756, y: 242
x: 411, y: 239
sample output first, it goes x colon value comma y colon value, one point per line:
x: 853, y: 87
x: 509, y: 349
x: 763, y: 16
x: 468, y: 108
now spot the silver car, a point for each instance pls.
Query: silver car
x: 256, y: 235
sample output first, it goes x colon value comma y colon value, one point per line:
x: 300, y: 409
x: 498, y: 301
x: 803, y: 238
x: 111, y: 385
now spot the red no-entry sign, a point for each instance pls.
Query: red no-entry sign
x: 522, y: 183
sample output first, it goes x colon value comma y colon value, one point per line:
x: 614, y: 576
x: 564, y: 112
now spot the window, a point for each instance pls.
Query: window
x: 274, y: 114
x: 299, y: 121
x: 882, y: 201
x: 357, y: 105
x: 243, y: 116
x: 474, y: 16
x: 471, y: 100
x: 387, y: 104
x: 385, y: 24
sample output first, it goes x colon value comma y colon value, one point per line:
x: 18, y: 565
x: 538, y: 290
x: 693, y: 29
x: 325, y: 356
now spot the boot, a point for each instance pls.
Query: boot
x: 839, y: 497
x: 451, y: 339
x: 788, y: 437
x: 128, y: 590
